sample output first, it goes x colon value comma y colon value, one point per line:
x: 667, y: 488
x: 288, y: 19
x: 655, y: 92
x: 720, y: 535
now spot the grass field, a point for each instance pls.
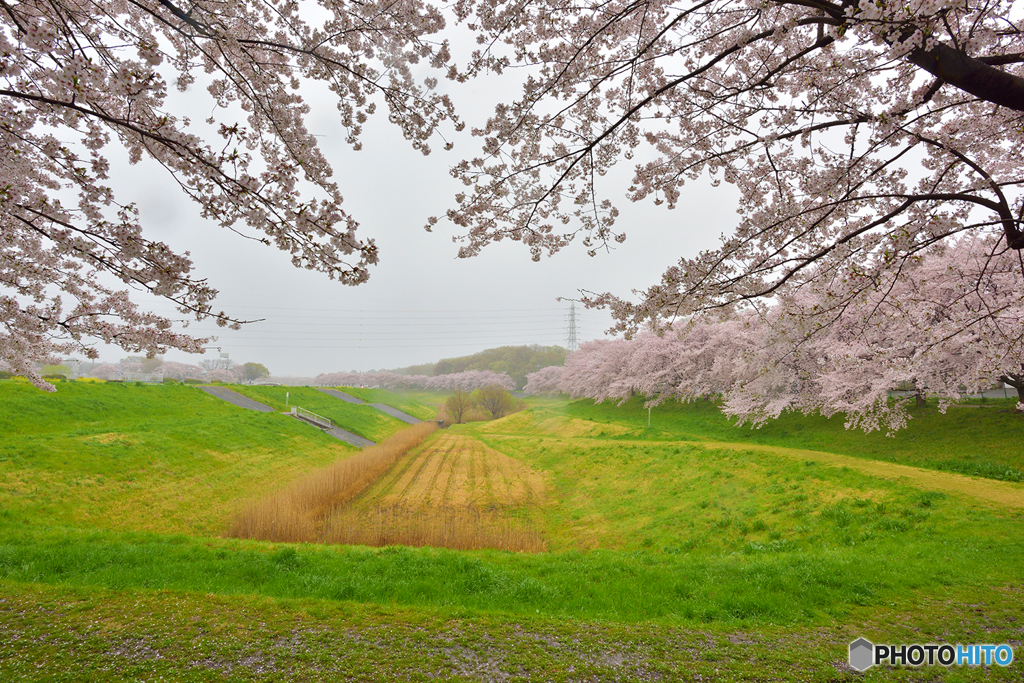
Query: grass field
x: 681, y: 552
x: 166, y: 458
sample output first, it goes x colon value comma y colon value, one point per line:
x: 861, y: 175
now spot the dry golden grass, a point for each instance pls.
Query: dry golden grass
x: 296, y: 513
x: 458, y: 528
x: 454, y: 493
x: 458, y: 471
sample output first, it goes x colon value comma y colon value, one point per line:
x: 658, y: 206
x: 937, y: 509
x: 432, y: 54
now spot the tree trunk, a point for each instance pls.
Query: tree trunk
x: 1017, y: 382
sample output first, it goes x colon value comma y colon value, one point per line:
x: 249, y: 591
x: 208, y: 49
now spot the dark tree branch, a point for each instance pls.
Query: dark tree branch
x: 971, y: 75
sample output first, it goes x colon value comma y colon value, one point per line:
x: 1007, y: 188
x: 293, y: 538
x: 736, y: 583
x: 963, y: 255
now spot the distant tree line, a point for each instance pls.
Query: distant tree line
x: 461, y: 381
x: 515, y: 361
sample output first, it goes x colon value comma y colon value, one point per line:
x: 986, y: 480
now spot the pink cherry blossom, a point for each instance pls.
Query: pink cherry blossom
x: 949, y: 325
x: 77, y: 78
x: 861, y: 137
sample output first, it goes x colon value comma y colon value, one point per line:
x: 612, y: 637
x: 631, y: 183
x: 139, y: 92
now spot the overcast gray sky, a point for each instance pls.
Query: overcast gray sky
x: 421, y: 303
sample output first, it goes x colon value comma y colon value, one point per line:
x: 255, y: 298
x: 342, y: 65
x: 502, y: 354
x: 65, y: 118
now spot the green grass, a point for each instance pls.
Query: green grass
x: 786, y: 585
x: 682, y: 498
x: 416, y: 403
x: 164, y: 458
x: 359, y: 419
x: 983, y: 441
x: 668, y: 558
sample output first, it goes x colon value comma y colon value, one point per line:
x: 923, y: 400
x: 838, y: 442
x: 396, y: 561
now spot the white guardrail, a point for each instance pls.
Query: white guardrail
x: 313, y: 417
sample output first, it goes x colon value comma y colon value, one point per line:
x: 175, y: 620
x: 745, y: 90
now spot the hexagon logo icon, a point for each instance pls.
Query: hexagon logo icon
x: 862, y: 654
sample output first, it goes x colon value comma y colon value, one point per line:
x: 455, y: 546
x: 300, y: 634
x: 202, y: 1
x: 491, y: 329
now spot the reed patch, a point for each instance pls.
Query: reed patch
x: 454, y: 493
x: 297, y: 513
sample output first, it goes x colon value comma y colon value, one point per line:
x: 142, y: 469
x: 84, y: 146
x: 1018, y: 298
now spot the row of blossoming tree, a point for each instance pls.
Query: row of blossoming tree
x: 461, y: 381
x: 948, y: 327
x: 233, y: 374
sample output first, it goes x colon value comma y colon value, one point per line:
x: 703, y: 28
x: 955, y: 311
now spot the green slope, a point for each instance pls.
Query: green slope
x: 359, y: 419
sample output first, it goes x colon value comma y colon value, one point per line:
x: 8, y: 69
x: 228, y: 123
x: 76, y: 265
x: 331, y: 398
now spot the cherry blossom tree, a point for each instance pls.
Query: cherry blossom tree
x: 79, y: 78
x: 949, y: 325
x: 468, y: 380
x: 103, y: 370
x: 858, y: 134
x: 598, y: 370
x: 544, y: 381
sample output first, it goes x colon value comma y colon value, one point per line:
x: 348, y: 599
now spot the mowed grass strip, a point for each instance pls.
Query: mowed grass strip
x: 297, y: 512
x: 365, y: 421
x: 453, y: 493
x: 458, y: 471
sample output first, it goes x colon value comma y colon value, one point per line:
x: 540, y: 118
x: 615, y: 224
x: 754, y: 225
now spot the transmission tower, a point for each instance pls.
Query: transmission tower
x: 571, y: 343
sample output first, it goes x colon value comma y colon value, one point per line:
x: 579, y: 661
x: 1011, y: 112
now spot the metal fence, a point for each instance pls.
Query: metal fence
x: 310, y: 416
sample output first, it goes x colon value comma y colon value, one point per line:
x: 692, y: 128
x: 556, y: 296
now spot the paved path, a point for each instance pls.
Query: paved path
x: 236, y: 398
x: 339, y: 433
x: 395, y: 412
x: 342, y: 395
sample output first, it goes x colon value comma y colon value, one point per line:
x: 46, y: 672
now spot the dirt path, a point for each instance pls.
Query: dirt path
x: 236, y: 398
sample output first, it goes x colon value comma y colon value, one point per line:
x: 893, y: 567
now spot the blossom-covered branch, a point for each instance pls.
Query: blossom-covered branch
x: 79, y: 77
x: 859, y: 135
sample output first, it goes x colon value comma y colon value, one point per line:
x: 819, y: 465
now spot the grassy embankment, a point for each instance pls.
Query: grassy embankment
x: 363, y: 420
x: 667, y: 557
x: 981, y: 439
x: 167, y: 458
x: 421, y: 404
